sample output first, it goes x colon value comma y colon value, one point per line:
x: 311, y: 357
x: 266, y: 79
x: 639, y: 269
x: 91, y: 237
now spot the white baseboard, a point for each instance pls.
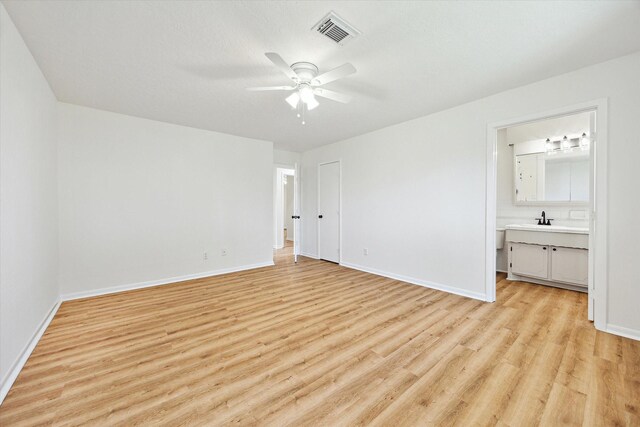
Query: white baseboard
x: 278, y: 247
x: 309, y: 255
x: 623, y: 332
x: 158, y: 282
x: 8, y: 381
x: 419, y: 282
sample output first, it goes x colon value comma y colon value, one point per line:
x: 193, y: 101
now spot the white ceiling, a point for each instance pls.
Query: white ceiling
x: 189, y: 62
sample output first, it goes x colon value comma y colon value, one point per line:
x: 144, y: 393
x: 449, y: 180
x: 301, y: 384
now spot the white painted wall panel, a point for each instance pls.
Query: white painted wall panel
x: 29, y: 197
x: 142, y: 200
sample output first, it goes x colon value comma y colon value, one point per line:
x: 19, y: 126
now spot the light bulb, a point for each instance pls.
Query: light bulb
x: 303, y: 122
x: 293, y: 99
x: 549, y: 145
x: 298, y: 115
x: 306, y: 93
x: 312, y: 103
x: 584, y: 141
x: 565, y: 143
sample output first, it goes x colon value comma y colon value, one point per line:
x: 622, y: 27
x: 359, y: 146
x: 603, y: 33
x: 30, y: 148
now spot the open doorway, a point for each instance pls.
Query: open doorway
x: 286, y: 214
x: 542, y: 226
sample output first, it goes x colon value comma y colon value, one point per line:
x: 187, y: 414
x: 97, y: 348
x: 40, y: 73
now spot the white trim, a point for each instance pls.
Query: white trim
x: 158, y: 282
x: 339, y: 162
x: 309, y: 255
x: 278, y: 247
x: 491, y: 212
x: 26, y: 352
x: 623, y: 332
x: 419, y: 282
x: 598, y: 270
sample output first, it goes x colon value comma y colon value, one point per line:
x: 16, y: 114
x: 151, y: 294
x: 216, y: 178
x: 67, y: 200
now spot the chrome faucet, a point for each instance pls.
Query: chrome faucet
x: 544, y: 220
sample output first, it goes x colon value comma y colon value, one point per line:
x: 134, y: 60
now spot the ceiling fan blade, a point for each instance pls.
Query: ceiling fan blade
x: 279, y: 62
x: 334, y: 96
x: 257, y: 89
x: 335, y: 74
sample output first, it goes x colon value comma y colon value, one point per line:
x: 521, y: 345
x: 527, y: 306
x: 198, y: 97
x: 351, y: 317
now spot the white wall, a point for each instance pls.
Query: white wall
x: 286, y: 158
x: 414, y: 193
x: 142, y: 200
x: 28, y: 190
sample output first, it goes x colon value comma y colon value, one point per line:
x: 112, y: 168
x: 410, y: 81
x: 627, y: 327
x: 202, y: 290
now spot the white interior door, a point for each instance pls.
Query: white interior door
x: 329, y: 212
x: 296, y: 213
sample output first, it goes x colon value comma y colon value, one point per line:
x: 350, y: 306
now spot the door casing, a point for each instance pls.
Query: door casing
x: 598, y: 241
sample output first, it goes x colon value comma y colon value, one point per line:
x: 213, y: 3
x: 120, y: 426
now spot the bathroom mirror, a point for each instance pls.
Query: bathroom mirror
x: 557, y: 176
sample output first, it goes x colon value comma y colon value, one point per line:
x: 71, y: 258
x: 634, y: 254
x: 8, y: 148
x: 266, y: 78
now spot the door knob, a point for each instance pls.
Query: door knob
x: 320, y: 216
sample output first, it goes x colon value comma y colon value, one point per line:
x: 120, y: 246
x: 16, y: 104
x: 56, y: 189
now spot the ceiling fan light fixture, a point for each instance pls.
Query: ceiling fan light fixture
x: 293, y: 99
x: 306, y: 93
x: 307, y: 83
x: 312, y: 103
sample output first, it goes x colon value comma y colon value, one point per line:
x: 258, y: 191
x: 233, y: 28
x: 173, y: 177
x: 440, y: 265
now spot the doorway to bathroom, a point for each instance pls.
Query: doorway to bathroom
x: 286, y: 202
x: 542, y: 206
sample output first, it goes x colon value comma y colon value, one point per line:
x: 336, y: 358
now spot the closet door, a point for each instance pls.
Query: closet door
x: 329, y: 212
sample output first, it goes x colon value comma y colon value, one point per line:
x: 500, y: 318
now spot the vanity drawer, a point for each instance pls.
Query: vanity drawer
x: 571, y: 240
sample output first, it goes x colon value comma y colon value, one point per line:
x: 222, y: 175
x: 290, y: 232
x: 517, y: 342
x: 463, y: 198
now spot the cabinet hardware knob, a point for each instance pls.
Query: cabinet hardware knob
x: 545, y: 248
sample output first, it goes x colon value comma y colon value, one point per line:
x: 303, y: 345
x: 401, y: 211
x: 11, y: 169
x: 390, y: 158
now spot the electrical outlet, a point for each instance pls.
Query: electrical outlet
x: 205, y: 256
x: 366, y: 251
x: 223, y: 252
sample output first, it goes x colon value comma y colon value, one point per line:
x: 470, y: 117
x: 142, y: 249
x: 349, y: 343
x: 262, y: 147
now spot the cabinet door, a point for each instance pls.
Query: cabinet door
x: 529, y: 260
x: 570, y: 265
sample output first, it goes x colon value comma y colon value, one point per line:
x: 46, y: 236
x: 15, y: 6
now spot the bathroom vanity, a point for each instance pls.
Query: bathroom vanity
x: 548, y: 255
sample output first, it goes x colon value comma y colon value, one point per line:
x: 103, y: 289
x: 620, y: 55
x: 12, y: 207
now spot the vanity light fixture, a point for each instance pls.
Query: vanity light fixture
x: 565, y: 143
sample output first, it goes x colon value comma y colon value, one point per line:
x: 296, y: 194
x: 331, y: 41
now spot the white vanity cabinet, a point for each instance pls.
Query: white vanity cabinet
x: 548, y: 256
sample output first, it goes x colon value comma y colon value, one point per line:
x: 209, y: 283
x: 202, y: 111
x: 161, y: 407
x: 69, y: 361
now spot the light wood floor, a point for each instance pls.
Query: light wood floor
x: 319, y: 344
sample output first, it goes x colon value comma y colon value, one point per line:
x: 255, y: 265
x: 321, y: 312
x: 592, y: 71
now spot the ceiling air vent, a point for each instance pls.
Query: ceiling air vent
x: 336, y: 29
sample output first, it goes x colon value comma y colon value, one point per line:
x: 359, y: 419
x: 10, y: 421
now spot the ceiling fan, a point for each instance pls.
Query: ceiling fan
x: 307, y: 82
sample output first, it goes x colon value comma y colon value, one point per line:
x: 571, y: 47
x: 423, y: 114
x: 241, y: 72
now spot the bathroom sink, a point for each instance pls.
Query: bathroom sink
x: 548, y: 228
